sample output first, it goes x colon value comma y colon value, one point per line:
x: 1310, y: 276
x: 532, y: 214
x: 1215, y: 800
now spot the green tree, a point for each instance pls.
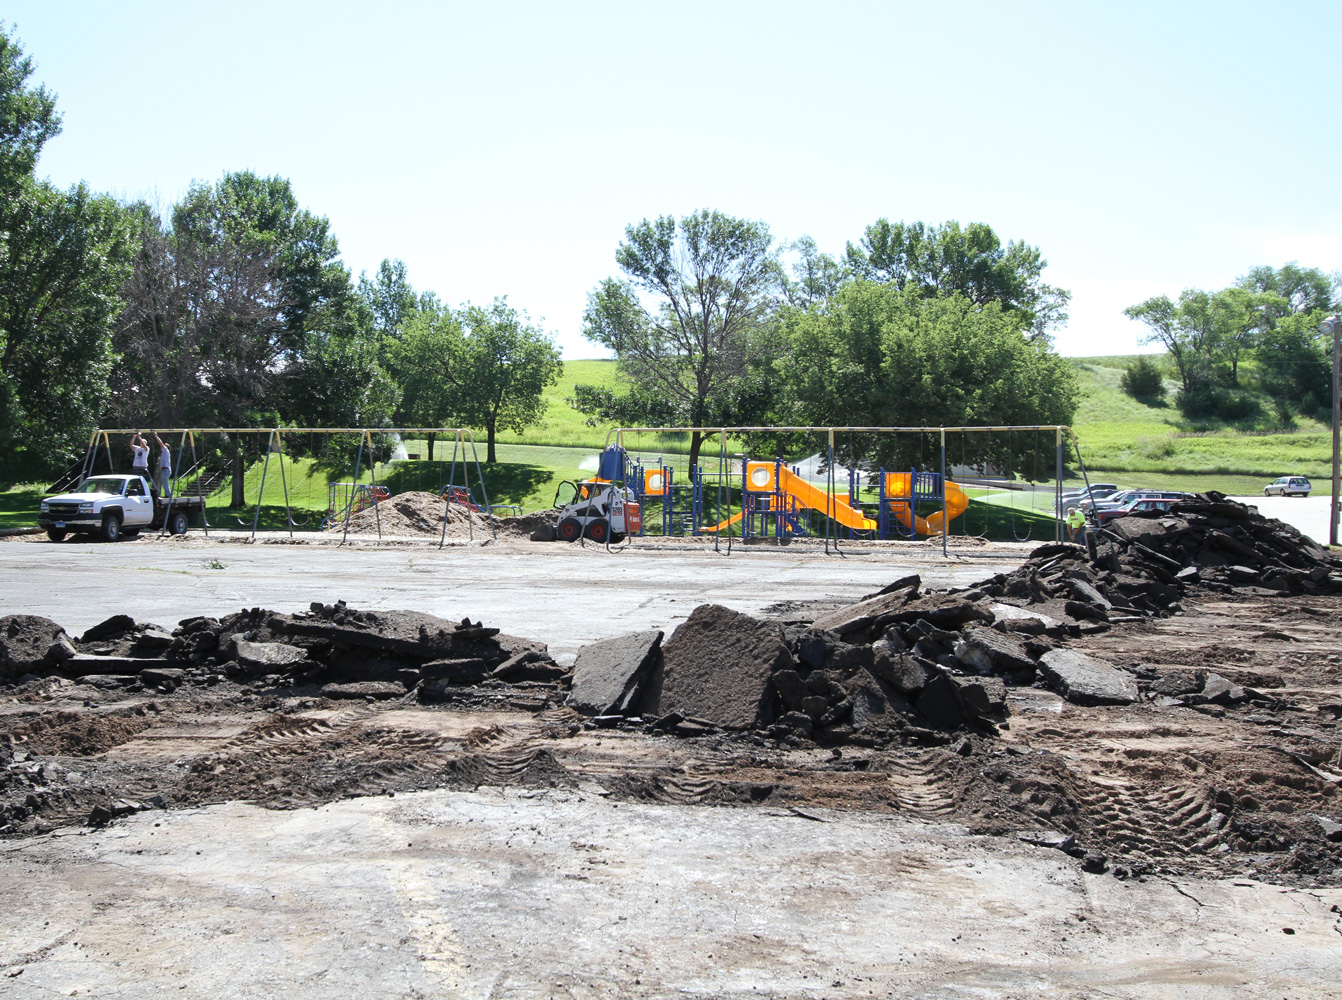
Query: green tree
x: 63, y: 255
x: 339, y: 381
x: 497, y: 368
x: 969, y: 261
x: 28, y: 117
x: 1304, y: 289
x: 390, y: 299
x: 876, y: 356
x: 1143, y: 379
x: 222, y: 300
x: 713, y: 280
x: 428, y: 341
x: 815, y: 275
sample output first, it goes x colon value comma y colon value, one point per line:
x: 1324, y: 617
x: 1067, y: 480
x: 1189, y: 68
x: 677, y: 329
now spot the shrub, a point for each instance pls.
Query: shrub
x: 1217, y: 401
x: 1143, y: 379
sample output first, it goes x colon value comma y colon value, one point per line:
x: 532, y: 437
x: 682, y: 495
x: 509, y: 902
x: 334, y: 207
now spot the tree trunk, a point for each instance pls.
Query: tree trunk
x: 489, y: 435
x: 431, y: 437
x: 696, y: 439
x: 239, y: 499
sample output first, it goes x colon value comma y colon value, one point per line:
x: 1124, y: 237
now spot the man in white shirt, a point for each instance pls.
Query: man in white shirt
x: 139, y: 451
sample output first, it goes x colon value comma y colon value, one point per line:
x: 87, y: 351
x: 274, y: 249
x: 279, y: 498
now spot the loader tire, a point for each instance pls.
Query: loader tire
x: 598, y: 531
x: 569, y: 530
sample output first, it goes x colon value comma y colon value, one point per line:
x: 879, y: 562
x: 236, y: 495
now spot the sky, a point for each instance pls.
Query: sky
x: 501, y: 149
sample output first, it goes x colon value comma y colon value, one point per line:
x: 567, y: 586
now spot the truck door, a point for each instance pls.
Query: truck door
x: 139, y: 507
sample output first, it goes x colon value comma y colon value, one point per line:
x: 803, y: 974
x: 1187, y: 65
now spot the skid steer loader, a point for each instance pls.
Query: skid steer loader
x: 597, y: 510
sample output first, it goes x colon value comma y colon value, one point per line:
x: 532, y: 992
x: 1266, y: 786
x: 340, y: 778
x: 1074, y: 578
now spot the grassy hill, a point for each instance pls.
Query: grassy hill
x: 1130, y: 441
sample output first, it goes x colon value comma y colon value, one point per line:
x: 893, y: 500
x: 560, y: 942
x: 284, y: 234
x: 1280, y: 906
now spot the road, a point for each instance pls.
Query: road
x: 1308, y: 514
x: 564, y: 595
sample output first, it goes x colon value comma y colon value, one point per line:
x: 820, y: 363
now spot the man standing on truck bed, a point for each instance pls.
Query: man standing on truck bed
x: 164, y: 467
x: 139, y: 455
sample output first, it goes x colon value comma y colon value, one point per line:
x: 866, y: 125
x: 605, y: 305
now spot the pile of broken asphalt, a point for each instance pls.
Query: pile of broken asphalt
x: 901, y: 667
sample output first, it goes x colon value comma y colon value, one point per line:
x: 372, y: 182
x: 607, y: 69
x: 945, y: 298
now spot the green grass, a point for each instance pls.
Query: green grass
x: 19, y: 503
x: 1133, y: 442
x: 562, y: 425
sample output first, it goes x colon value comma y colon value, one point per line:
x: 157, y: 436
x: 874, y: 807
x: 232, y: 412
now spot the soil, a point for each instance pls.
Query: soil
x: 1140, y: 789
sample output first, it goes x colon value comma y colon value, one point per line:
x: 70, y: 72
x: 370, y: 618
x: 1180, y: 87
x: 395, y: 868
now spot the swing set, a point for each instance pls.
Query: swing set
x: 344, y: 499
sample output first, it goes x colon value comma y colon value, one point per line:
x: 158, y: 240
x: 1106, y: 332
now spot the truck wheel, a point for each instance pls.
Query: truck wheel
x: 55, y: 534
x: 617, y: 537
x: 111, y: 529
x: 569, y: 529
x: 178, y: 523
x: 598, y: 531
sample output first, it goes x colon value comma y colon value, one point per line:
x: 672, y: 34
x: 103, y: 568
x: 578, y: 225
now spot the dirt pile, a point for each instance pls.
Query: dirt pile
x: 416, y: 513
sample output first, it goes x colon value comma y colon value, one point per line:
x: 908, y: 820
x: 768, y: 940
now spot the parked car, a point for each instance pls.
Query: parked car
x: 1128, y: 497
x: 1288, y: 486
x: 1096, y: 491
x: 1103, y: 517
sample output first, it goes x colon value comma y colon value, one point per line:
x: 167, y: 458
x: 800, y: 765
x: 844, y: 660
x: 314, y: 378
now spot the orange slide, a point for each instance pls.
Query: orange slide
x: 722, y: 526
x: 956, y: 504
x: 821, y: 500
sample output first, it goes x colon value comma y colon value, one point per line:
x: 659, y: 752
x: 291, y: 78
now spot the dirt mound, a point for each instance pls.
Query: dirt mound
x: 525, y: 525
x: 416, y: 513
x: 69, y: 734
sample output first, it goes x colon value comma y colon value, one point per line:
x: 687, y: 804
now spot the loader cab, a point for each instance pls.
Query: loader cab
x: 566, y: 493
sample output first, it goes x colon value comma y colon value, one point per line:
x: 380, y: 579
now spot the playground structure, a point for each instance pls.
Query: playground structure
x: 778, y: 502
x: 773, y: 499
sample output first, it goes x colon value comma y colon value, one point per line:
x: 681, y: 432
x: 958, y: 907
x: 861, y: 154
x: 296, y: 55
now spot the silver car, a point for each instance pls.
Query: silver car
x: 1288, y: 486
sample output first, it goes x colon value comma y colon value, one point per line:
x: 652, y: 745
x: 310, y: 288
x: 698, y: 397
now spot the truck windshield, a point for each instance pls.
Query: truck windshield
x: 105, y: 484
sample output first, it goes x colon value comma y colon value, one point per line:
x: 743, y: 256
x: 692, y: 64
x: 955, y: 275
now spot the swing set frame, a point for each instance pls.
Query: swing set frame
x: 100, y: 440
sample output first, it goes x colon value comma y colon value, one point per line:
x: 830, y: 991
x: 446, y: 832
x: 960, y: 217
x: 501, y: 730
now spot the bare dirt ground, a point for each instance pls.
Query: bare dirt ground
x: 273, y: 841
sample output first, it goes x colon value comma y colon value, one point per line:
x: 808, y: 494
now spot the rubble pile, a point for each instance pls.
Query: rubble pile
x: 343, y: 652
x: 1142, y: 565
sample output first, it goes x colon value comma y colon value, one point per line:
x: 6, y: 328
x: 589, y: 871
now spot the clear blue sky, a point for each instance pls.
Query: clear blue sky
x: 502, y: 148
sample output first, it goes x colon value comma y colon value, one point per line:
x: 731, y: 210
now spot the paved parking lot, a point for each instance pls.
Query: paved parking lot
x: 1308, y: 514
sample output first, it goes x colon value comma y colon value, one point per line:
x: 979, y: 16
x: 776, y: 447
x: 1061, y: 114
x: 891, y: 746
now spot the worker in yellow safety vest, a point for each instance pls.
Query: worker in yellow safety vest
x: 1076, y: 524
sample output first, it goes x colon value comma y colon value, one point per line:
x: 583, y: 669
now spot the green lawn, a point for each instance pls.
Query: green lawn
x: 1135, y: 443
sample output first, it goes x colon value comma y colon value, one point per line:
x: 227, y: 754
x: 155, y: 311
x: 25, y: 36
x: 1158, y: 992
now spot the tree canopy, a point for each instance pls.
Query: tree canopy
x: 879, y: 356
x: 969, y: 261
x: 711, y: 279
x: 497, y: 367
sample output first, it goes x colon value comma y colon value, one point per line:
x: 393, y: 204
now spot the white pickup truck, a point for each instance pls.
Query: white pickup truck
x: 115, y: 505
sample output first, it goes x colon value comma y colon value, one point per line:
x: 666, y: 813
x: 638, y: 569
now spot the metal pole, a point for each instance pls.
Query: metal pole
x: 284, y: 481
x: 354, y: 489
x: 372, y: 473
x: 945, y: 514
x: 1333, y: 324
x: 1057, y: 487
x: 262, y: 495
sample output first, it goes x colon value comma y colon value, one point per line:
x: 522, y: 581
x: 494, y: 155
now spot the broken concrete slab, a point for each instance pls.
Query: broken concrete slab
x: 1218, y: 689
x: 154, y: 676
x: 863, y: 614
x: 1087, y: 680
x: 25, y: 643
x: 609, y: 675
x: 271, y: 657
x: 109, y: 628
x: 981, y: 697
x: 364, y: 689
x: 470, y: 670
x: 987, y: 650
x: 85, y: 664
x: 718, y: 666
